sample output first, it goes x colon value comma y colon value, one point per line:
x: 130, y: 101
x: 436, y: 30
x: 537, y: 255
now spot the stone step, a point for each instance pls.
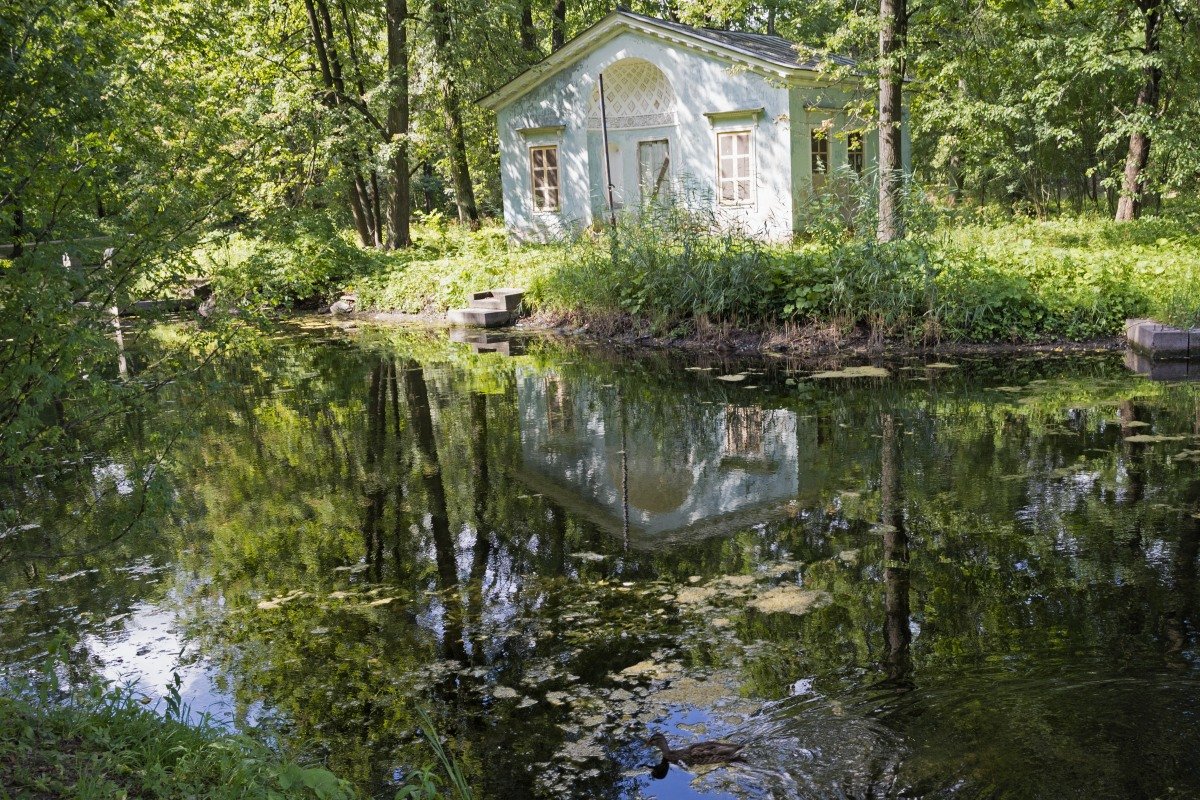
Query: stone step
x: 479, y: 317
x: 501, y: 299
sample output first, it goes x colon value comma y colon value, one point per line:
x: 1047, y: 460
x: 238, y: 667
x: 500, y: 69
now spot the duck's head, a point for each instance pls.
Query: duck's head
x: 658, y: 740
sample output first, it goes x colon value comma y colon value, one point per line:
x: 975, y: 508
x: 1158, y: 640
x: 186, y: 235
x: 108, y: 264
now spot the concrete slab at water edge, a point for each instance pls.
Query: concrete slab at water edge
x: 479, y: 317
x: 1156, y: 339
x: 490, y: 308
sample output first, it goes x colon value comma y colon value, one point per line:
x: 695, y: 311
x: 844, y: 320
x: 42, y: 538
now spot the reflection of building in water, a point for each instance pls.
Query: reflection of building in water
x: 690, y: 469
x: 744, y: 431
x: 560, y: 414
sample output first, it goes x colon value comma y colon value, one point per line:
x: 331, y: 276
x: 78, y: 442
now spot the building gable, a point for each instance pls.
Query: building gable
x: 768, y: 55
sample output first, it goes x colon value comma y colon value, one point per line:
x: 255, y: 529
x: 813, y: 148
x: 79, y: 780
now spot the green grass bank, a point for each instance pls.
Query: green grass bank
x: 99, y: 740
x: 960, y: 277
x: 106, y: 745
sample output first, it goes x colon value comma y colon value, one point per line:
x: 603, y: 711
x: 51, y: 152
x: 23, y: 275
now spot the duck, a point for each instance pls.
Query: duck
x: 697, y: 754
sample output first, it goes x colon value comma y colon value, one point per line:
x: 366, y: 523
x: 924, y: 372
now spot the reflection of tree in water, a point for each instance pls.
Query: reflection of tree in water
x: 1179, y: 621
x: 897, y: 634
x: 401, y: 469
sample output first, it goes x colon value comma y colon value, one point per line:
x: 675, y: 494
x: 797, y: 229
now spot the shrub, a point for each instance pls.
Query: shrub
x: 668, y: 266
x: 302, y: 260
x: 957, y: 276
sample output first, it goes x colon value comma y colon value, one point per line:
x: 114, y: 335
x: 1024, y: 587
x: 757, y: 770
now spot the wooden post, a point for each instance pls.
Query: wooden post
x: 612, y: 210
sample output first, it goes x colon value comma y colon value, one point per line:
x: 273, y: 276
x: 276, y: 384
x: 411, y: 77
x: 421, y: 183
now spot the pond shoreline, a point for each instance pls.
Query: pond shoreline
x: 787, y: 339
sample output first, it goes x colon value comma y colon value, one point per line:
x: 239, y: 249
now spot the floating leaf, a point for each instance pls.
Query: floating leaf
x: 790, y: 600
x: 853, y: 372
x: 1146, y: 438
x: 741, y: 376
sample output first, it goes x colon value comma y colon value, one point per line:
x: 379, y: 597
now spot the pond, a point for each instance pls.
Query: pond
x: 969, y: 578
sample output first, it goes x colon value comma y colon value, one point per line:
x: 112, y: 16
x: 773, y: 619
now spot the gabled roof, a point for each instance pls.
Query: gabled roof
x: 771, y: 48
x: 772, y: 54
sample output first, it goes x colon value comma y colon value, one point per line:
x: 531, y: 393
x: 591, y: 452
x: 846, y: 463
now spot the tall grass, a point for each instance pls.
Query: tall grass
x: 959, y: 276
x: 100, y: 741
x: 89, y: 738
x: 425, y: 784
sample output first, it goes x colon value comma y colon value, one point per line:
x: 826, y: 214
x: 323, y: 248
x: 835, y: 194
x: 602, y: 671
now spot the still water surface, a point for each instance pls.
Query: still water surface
x: 966, y: 579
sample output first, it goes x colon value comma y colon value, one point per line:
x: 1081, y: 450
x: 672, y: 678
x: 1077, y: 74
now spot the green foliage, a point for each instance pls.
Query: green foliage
x: 445, y: 263
x: 105, y: 743
x: 1072, y: 278
x: 117, y: 134
x: 301, y: 260
x: 962, y: 278
x: 666, y: 267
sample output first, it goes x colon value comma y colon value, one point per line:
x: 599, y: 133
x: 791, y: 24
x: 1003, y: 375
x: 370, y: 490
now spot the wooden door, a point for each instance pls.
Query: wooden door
x: 654, y: 172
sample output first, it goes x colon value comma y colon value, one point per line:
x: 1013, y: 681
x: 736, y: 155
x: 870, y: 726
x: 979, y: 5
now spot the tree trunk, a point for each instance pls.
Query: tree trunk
x: 558, y: 26
x: 1129, y: 206
x: 398, y: 233
x: 376, y: 208
x: 426, y: 194
x: 528, y: 34
x: 893, y: 22
x: 896, y: 630
x: 376, y: 489
x: 957, y: 182
x: 376, y: 213
x: 331, y: 75
x: 362, y: 199
x: 18, y: 230
x: 460, y: 171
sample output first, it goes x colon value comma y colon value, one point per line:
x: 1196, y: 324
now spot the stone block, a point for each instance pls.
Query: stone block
x: 1157, y: 339
x: 498, y: 299
x: 479, y: 317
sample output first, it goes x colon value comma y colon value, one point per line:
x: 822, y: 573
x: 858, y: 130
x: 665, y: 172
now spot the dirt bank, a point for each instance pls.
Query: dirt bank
x: 787, y: 338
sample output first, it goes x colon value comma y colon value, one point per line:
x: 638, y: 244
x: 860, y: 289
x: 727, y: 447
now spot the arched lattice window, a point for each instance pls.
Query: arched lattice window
x: 636, y: 95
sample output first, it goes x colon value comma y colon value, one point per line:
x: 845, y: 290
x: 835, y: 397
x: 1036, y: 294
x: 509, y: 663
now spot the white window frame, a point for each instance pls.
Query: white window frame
x: 557, y: 188
x: 752, y: 193
x: 820, y: 134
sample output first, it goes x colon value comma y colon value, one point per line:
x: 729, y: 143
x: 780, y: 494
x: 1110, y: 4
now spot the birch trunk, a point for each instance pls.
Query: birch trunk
x: 1129, y: 206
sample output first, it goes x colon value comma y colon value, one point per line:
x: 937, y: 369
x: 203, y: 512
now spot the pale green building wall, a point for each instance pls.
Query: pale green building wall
x: 556, y: 112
